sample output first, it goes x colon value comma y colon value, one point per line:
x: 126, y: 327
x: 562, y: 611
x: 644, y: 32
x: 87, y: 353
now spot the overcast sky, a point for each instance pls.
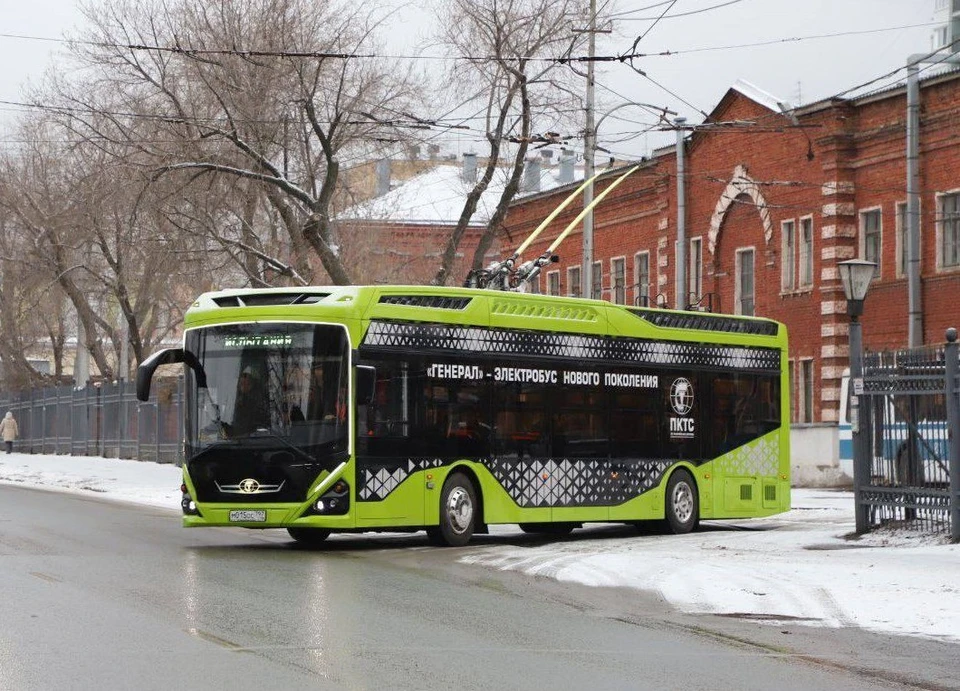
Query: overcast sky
x: 804, y: 70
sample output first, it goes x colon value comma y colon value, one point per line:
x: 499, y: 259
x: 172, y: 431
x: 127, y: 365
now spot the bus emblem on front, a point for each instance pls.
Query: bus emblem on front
x: 249, y: 486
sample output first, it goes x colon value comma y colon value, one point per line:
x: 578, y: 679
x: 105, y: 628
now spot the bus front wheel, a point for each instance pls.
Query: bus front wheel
x: 458, y: 512
x: 682, y: 503
x: 309, y: 537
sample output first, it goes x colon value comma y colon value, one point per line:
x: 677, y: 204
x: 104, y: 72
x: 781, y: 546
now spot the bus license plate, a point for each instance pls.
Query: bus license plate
x: 248, y: 516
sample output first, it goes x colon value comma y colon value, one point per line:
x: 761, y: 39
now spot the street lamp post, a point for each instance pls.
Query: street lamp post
x: 855, y: 275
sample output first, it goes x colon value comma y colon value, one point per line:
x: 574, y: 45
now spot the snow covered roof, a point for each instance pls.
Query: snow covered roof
x: 758, y: 95
x: 436, y: 197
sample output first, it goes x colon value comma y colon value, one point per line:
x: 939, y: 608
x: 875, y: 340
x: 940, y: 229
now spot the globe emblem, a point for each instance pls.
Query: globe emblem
x: 249, y: 486
x: 681, y: 396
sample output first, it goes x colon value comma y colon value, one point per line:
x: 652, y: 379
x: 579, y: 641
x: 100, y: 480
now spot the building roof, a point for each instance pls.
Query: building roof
x: 758, y: 95
x: 437, y: 196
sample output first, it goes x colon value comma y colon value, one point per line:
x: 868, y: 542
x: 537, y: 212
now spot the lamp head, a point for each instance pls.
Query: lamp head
x: 855, y: 275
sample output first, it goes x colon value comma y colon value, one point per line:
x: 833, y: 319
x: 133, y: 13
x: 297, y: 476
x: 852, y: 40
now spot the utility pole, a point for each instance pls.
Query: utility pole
x: 589, y: 149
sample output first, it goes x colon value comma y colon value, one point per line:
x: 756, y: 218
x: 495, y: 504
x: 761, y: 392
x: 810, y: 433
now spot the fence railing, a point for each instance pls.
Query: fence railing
x: 100, y: 420
x: 910, y: 416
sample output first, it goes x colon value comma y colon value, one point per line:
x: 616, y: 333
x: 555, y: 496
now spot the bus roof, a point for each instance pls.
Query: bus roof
x: 478, y: 307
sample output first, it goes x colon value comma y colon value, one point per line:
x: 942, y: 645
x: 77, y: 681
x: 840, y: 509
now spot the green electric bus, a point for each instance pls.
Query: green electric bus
x: 402, y: 408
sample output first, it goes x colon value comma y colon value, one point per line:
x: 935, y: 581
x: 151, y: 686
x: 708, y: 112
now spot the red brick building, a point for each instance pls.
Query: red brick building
x: 773, y: 202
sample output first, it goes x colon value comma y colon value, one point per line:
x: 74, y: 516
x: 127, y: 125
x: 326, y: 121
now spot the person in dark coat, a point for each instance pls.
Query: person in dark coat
x: 250, y: 411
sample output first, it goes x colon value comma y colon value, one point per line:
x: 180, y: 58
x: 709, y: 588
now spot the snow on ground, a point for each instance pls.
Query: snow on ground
x: 800, y: 566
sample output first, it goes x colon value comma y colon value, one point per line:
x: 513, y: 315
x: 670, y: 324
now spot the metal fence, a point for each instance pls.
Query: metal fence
x: 100, y: 420
x: 910, y: 417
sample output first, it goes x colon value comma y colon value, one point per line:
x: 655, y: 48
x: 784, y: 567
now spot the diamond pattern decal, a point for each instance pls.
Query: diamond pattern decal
x: 446, y: 339
x: 540, y: 482
x: 761, y: 457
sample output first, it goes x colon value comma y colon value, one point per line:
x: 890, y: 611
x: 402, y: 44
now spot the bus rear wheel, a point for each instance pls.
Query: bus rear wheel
x: 458, y: 512
x: 309, y: 537
x: 682, y: 503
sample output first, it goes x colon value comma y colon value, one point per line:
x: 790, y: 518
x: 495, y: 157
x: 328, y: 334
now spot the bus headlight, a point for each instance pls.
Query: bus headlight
x: 189, y: 506
x: 333, y: 502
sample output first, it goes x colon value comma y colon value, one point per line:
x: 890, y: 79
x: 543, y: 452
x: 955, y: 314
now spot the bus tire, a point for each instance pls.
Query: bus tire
x: 458, y: 512
x: 681, y: 503
x: 309, y: 537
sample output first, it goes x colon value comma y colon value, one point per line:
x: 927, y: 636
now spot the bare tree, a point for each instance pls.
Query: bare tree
x: 272, y: 92
x: 508, y: 39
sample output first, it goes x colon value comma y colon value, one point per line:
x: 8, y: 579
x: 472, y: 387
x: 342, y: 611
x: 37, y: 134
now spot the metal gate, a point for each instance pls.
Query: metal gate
x: 907, y: 453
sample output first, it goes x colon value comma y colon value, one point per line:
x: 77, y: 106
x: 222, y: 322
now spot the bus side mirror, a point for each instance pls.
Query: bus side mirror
x: 366, y: 384
x: 168, y: 356
x: 146, y: 369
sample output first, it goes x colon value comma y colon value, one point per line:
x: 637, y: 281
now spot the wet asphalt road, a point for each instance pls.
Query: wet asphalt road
x: 100, y: 595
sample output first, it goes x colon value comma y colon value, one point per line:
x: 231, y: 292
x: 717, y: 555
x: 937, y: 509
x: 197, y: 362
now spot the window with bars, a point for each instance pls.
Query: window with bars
x: 618, y: 278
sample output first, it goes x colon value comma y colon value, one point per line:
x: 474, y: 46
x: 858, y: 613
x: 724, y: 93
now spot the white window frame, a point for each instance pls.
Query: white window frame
x: 803, y: 383
x: 573, y: 286
x: 863, y: 237
x: 553, y: 277
x: 940, y: 258
x: 805, y: 255
x: 641, y: 290
x: 596, y: 290
x: 695, y: 269
x: 613, y: 280
x: 900, y: 221
x: 738, y: 285
x: 788, y: 248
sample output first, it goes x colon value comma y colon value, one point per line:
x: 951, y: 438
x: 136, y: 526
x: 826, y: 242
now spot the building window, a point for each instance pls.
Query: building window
x: 641, y: 275
x: 553, y: 283
x: 696, y: 271
x: 903, y: 248
x: 573, y: 281
x: 948, y: 245
x: 805, y: 388
x: 806, y: 252
x: 618, y: 278
x: 788, y: 231
x: 596, y: 291
x: 745, y: 295
x: 870, y: 237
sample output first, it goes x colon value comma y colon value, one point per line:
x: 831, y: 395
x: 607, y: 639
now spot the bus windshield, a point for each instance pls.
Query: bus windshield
x: 269, y: 385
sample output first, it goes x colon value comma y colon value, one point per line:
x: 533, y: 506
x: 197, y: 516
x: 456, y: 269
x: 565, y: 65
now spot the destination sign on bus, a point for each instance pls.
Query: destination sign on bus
x: 532, y: 375
x: 258, y: 341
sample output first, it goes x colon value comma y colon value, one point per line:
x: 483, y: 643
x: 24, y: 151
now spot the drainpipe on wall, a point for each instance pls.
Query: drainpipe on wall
x: 681, y: 301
